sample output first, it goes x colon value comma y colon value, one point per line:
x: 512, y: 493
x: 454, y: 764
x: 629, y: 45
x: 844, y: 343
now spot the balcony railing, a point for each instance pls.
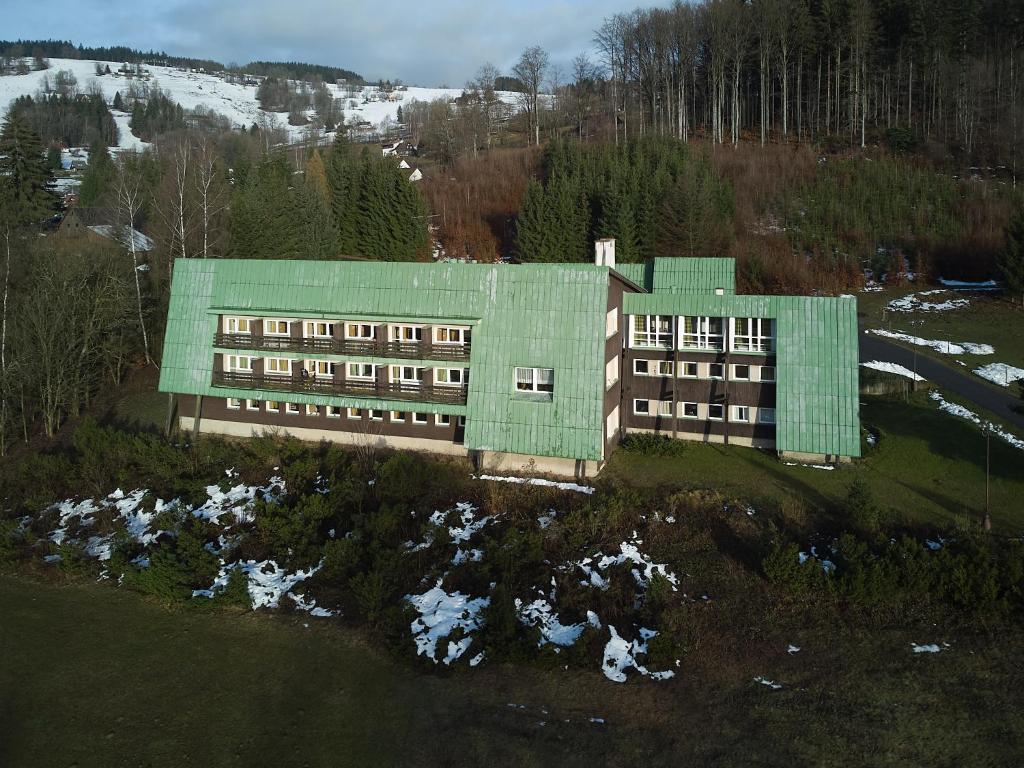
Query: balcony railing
x: 416, y: 393
x: 360, y: 347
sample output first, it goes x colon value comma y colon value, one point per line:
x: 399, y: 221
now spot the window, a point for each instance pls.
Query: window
x: 292, y: 409
x: 766, y: 415
x: 376, y: 415
x: 752, y: 334
x: 363, y: 371
x: 278, y: 366
x: 642, y: 407
x: 406, y: 334
x: 535, y: 379
x: 398, y: 416
x: 741, y: 413
x: 312, y: 410
x: 333, y: 412
x: 689, y: 371
x: 320, y: 368
x: 664, y: 407
x: 741, y: 372
x: 716, y: 371
x: 273, y: 406
x: 663, y: 367
x: 442, y: 419
x: 652, y: 331
x: 611, y: 372
x: 767, y: 373
x: 234, y: 403
x: 252, y: 405
x: 444, y: 334
x: 716, y: 412
x: 354, y: 413
x: 641, y: 367
x: 701, y: 332
x: 360, y: 331
x: 419, y: 418
x: 406, y: 374
x: 317, y: 329
x: 237, y: 363
x: 611, y: 323
x: 689, y: 410
x: 237, y: 325
x: 449, y: 377
x: 275, y: 328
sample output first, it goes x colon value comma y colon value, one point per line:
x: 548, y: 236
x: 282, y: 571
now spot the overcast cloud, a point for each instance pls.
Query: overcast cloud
x: 430, y: 42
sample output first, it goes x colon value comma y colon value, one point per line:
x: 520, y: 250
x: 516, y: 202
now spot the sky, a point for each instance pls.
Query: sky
x: 429, y: 42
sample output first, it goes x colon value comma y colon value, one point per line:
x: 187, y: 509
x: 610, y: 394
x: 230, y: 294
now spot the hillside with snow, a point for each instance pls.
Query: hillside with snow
x: 192, y: 89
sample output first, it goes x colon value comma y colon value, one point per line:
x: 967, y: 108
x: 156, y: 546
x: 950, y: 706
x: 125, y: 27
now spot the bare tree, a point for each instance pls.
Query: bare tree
x: 530, y: 70
x: 212, y: 193
x: 129, y: 204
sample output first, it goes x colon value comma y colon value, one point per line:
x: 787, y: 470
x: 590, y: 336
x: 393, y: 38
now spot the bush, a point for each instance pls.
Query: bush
x: 648, y: 444
x: 782, y: 566
x: 292, y: 534
x: 860, y: 506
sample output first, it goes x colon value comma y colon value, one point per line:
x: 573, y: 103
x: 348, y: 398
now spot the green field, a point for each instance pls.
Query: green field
x: 928, y: 467
x: 989, y: 319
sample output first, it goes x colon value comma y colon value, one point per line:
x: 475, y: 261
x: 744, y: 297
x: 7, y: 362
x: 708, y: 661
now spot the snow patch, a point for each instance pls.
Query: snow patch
x: 894, y: 368
x: 911, y: 303
x: 539, y: 481
x: 540, y: 613
x: 965, y: 413
x: 621, y: 654
x: 944, y: 347
x: 1000, y: 373
x: 442, y: 614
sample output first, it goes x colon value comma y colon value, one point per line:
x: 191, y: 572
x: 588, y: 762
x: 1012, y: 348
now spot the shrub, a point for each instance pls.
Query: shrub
x: 647, y: 444
x: 782, y: 566
x: 860, y: 506
x: 292, y: 534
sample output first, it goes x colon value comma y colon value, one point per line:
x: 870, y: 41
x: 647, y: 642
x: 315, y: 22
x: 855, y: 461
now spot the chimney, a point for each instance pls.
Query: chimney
x: 604, y: 252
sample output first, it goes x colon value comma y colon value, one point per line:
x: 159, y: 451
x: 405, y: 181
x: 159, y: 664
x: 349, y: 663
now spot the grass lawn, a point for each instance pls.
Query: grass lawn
x: 989, y: 319
x: 928, y: 466
x: 99, y: 676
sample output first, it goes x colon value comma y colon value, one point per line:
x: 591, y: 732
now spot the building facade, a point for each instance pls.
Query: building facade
x: 543, y: 366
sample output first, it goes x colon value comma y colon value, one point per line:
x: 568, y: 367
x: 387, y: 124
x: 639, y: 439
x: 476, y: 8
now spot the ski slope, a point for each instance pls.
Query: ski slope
x: 193, y: 89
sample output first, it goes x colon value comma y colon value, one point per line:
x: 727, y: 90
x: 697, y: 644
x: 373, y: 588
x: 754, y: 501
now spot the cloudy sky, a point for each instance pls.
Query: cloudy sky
x: 427, y: 42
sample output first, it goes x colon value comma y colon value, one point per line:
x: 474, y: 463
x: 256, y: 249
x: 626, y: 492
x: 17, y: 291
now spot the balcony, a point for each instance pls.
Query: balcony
x: 358, y: 347
x: 413, y: 393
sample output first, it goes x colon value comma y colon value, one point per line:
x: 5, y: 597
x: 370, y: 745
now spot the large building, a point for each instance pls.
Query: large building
x: 542, y: 365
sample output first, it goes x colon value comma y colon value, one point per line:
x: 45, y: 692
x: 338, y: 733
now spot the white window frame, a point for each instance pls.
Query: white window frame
x: 375, y: 414
x: 611, y: 323
x: 440, y: 374
x: 647, y: 409
x: 759, y: 336
x: 267, y: 369
x: 360, y: 376
x: 273, y: 406
x: 684, y: 415
x: 233, y: 364
x: 697, y: 332
x: 611, y: 373
x: 333, y: 411
x: 234, y: 324
x: 312, y: 410
x: 279, y: 334
x: 449, y: 331
x: 311, y: 329
x: 397, y: 416
x: 612, y: 424
x: 397, y: 374
x: 646, y: 365
x: 527, y: 379
x: 650, y: 332
x: 442, y: 419
x: 720, y: 377
x: 716, y: 418
x: 764, y: 368
x: 396, y: 333
x: 234, y: 404
x: 683, y: 366
x: 765, y: 415
x: 740, y: 414
x: 664, y: 409
x: 663, y: 368
x: 354, y: 413
x: 252, y: 405
x: 359, y: 329
x: 735, y: 369
x: 292, y: 409
x: 420, y: 418
x: 314, y: 366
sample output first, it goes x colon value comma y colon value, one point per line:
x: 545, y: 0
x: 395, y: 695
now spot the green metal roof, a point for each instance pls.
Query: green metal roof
x: 543, y: 315
x: 816, y: 348
x: 683, y: 275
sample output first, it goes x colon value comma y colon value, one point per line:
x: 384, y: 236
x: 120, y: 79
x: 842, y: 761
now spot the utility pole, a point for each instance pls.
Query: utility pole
x: 986, y: 430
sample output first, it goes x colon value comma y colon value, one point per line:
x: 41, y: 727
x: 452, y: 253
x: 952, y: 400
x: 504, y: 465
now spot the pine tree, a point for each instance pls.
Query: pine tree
x: 24, y: 173
x: 316, y: 176
x: 531, y: 225
x: 99, y: 176
x: 118, y: 102
x: 343, y: 180
x: 1010, y: 261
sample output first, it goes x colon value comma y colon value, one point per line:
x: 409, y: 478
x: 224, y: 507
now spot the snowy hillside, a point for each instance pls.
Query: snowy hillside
x: 192, y: 89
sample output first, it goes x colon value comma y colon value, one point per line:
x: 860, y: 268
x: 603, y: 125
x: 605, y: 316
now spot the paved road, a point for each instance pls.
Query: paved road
x: 964, y: 384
